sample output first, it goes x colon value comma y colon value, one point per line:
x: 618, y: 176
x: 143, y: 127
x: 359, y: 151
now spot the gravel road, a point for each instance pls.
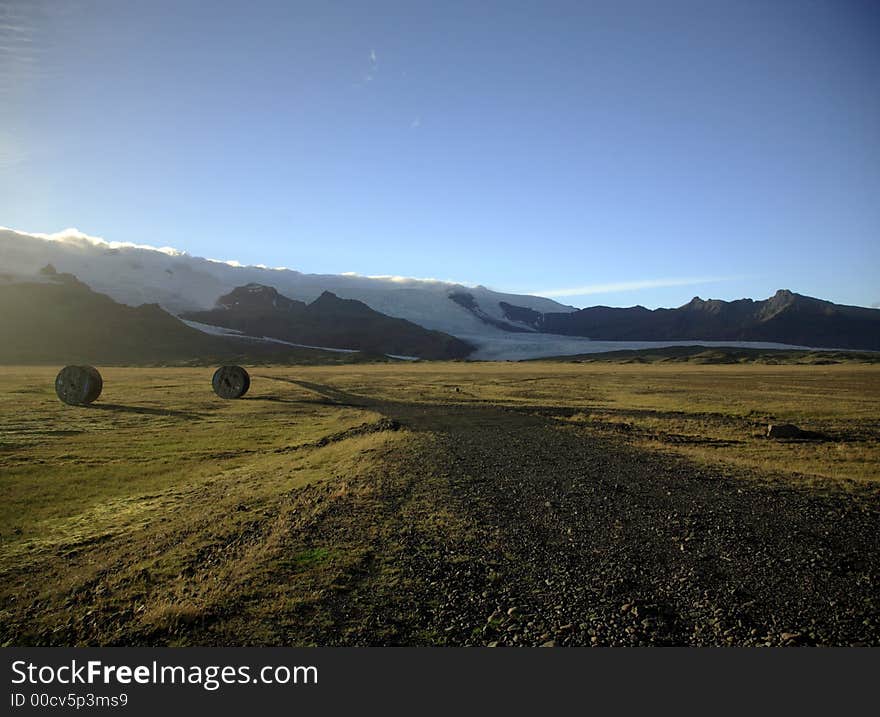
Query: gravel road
x: 558, y: 536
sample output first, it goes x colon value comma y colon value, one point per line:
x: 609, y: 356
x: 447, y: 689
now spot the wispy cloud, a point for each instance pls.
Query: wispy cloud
x: 21, y: 46
x: 416, y: 123
x: 12, y: 156
x: 374, y: 67
x: 638, y: 285
x: 406, y: 279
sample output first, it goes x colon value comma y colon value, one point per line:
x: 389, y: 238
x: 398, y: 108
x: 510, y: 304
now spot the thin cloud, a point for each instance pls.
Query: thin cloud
x: 29, y: 31
x: 405, y: 279
x: 12, y: 150
x: 416, y: 123
x: 22, y: 42
x: 619, y: 286
x: 12, y: 158
x: 374, y: 67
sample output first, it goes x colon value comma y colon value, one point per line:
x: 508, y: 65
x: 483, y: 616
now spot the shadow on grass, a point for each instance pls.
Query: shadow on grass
x: 329, y: 393
x: 144, y: 410
x: 273, y: 399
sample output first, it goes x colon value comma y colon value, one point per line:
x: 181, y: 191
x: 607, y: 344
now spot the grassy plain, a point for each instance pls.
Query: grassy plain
x: 716, y: 413
x: 162, y: 509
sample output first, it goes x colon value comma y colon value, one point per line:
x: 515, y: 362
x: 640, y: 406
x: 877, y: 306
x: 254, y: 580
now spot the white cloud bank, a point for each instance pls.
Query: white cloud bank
x: 72, y: 235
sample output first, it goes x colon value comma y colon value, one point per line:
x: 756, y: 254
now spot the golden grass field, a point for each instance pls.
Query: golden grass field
x: 160, y: 470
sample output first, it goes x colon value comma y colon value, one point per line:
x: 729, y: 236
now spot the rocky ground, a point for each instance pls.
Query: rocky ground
x: 559, y: 536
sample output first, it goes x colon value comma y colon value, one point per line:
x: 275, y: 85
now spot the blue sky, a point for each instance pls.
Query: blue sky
x: 618, y: 153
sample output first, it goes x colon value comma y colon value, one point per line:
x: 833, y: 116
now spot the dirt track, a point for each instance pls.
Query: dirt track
x: 553, y: 535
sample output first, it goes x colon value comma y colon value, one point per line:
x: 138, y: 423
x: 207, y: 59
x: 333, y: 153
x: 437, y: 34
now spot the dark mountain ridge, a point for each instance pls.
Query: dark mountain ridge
x: 54, y: 318
x: 786, y: 317
x: 258, y: 310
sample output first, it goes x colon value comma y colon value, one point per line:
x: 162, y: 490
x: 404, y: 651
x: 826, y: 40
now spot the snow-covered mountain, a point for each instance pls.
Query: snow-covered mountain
x: 178, y: 282
x: 501, y: 326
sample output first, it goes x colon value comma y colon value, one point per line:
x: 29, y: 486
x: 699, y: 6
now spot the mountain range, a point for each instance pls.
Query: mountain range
x: 785, y: 317
x: 56, y: 319
x: 182, y: 283
x: 328, y: 321
x: 379, y: 315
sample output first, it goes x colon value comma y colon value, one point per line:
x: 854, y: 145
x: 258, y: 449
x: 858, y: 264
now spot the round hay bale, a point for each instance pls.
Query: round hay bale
x: 231, y: 382
x: 784, y: 430
x: 78, y: 385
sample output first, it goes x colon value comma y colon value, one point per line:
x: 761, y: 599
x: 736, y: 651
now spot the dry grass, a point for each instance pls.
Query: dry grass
x: 156, y: 436
x: 175, y: 504
x: 707, y: 412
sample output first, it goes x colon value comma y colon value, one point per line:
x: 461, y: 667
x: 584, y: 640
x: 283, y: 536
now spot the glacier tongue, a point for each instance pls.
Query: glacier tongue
x: 522, y: 347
